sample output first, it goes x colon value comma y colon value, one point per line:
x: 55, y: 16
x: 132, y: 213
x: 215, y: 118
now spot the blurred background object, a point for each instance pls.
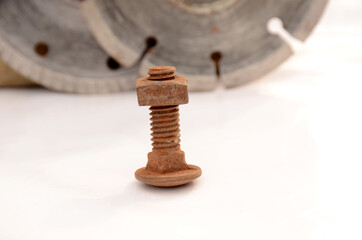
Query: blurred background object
x: 10, y: 78
x: 205, y: 40
x: 210, y: 41
x: 49, y: 43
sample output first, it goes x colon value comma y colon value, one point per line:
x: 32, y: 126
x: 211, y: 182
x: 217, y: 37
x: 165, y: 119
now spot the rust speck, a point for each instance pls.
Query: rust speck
x: 215, y: 29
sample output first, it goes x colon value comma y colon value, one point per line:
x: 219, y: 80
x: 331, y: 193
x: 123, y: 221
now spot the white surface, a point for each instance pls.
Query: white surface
x: 281, y: 156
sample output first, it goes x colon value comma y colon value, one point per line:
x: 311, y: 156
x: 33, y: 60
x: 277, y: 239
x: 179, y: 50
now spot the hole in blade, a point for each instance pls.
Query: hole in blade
x: 216, y: 58
x: 150, y: 43
x: 112, y: 64
x: 275, y: 27
x: 41, y: 49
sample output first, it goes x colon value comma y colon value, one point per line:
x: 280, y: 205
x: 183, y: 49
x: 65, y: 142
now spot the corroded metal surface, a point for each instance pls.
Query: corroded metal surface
x: 164, y: 90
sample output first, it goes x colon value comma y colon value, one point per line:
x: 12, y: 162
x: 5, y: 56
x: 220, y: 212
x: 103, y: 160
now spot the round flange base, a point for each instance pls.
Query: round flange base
x: 170, y: 179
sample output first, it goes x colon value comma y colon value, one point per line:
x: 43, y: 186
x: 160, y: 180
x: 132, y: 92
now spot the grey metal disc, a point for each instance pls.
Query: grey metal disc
x: 50, y: 43
x: 188, y: 32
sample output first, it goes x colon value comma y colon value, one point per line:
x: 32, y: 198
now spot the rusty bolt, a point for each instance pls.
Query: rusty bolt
x: 164, y: 90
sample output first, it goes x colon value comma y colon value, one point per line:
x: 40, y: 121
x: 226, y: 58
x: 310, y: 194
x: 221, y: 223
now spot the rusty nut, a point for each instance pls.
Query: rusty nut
x: 162, y: 93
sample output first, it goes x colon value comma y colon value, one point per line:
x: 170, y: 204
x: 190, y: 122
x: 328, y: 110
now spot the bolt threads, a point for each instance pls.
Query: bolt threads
x: 161, y: 73
x: 165, y: 127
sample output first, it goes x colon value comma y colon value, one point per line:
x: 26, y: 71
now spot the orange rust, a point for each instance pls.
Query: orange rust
x: 164, y: 90
x: 215, y: 29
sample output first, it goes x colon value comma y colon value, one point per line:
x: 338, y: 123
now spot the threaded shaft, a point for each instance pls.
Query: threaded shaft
x: 165, y: 127
x: 161, y: 73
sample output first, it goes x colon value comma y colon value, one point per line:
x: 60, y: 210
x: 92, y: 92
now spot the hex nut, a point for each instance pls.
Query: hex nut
x: 162, y: 93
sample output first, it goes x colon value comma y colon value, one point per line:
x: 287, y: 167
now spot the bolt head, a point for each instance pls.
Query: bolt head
x: 162, y: 93
x: 164, y: 161
x: 169, y: 179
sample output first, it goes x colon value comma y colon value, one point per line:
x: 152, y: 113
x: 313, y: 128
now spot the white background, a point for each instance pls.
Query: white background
x: 281, y: 156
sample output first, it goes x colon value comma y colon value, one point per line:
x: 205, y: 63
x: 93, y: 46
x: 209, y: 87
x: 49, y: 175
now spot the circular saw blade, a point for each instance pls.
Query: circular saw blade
x: 190, y: 33
x: 50, y: 43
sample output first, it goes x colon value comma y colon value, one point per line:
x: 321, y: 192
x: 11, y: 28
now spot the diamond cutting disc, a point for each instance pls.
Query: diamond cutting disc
x: 205, y: 40
x: 50, y: 43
